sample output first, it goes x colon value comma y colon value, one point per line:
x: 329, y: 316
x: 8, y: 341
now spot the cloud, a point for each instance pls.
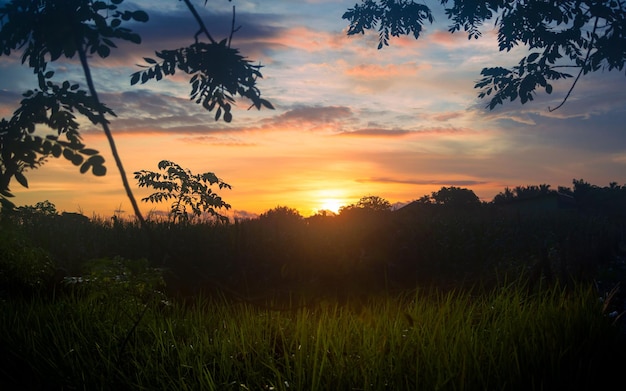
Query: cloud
x: 445, y: 116
x: 329, y: 119
x: 376, y: 132
x: 315, y: 114
x: 377, y: 71
x: 448, y: 182
x: 227, y: 141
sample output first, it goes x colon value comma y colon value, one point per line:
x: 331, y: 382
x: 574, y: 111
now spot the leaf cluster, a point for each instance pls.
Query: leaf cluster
x: 54, y: 106
x: 188, y: 190
x: 44, y: 31
x: 392, y: 17
x: 587, y: 35
x: 49, y: 29
x: 218, y: 72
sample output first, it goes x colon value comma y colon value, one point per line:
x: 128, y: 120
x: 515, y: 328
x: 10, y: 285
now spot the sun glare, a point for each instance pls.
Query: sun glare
x: 331, y: 204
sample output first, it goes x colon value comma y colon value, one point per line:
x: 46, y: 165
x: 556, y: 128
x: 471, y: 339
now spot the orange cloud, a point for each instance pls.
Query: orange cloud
x: 386, y: 71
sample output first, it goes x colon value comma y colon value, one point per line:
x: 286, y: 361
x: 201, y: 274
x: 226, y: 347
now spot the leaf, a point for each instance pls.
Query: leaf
x: 96, y: 160
x: 68, y: 154
x: 88, y: 151
x: 532, y: 57
x: 21, y: 179
x: 56, y: 150
x: 77, y: 160
x: 140, y: 16
x: 266, y: 104
x: 134, y: 38
x: 85, y: 167
x: 134, y: 78
x: 149, y: 60
x: 104, y: 51
x: 99, y: 170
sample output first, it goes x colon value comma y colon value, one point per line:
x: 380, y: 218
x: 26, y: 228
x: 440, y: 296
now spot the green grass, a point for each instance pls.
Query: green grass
x: 505, y: 339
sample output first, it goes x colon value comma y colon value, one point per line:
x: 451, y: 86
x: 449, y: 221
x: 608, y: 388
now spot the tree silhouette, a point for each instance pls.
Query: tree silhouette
x: 368, y: 203
x: 587, y: 35
x: 455, y: 196
x: 522, y: 192
x: 47, y: 30
x: 188, y: 190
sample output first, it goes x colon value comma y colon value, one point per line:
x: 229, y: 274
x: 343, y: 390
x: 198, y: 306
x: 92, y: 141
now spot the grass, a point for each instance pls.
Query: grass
x: 350, y: 319
x: 505, y: 339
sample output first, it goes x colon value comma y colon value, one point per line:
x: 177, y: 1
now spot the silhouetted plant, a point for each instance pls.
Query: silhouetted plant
x: 368, y: 203
x: 186, y: 189
x: 455, y: 196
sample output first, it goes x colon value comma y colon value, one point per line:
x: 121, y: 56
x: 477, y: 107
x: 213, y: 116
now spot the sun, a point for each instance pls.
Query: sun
x: 331, y: 204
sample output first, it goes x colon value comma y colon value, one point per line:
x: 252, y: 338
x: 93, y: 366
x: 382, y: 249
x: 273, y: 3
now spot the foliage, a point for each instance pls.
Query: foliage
x: 186, y: 189
x: 218, y: 72
x: 421, y: 243
x: 392, y: 17
x: 125, y: 279
x: 24, y: 267
x: 587, y: 35
x: 45, y: 208
x: 44, y: 31
x: 369, y: 203
x: 281, y: 214
x: 49, y: 30
x: 53, y: 106
x: 522, y: 192
x: 455, y: 196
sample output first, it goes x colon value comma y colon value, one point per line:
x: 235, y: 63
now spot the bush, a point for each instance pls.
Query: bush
x: 24, y: 267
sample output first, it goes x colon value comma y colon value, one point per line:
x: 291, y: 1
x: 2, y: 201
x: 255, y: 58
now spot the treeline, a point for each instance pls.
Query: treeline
x: 366, y: 248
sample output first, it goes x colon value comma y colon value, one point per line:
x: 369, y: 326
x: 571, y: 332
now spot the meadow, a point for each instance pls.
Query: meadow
x: 428, y: 297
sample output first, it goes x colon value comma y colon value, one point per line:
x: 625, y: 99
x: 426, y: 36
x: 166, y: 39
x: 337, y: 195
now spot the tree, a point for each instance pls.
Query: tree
x: 374, y: 203
x: 369, y: 203
x: 583, y: 35
x: 186, y: 189
x: 522, y: 193
x: 455, y: 196
x: 47, y: 30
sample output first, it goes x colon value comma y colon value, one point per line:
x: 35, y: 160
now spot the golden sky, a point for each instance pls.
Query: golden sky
x: 350, y: 120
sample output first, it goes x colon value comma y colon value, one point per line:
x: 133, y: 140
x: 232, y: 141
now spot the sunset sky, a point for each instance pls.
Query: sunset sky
x: 350, y: 120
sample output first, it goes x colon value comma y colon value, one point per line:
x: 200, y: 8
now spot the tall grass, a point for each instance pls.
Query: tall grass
x: 504, y: 339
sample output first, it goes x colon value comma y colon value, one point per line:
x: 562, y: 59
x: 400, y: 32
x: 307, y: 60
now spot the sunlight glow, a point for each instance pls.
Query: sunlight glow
x: 331, y: 204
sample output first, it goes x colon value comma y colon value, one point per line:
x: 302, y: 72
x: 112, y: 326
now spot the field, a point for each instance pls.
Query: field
x: 429, y: 298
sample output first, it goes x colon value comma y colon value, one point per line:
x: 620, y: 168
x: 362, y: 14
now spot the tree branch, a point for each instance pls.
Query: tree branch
x: 203, y: 28
x: 582, y: 68
x: 233, y: 30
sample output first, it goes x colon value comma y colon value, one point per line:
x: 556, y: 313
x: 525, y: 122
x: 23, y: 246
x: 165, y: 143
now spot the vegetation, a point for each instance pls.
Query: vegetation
x: 187, y: 190
x: 49, y: 30
x: 422, y: 340
x: 435, y: 295
x: 583, y: 35
x: 444, y: 293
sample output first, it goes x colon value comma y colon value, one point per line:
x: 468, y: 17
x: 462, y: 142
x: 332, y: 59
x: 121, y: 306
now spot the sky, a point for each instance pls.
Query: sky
x: 349, y: 121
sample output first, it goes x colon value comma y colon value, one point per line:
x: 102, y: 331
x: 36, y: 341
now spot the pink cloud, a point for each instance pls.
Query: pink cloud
x: 386, y: 71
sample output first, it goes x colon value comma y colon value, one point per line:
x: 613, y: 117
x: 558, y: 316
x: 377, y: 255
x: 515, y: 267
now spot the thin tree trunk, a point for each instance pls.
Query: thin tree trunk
x: 107, y: 132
